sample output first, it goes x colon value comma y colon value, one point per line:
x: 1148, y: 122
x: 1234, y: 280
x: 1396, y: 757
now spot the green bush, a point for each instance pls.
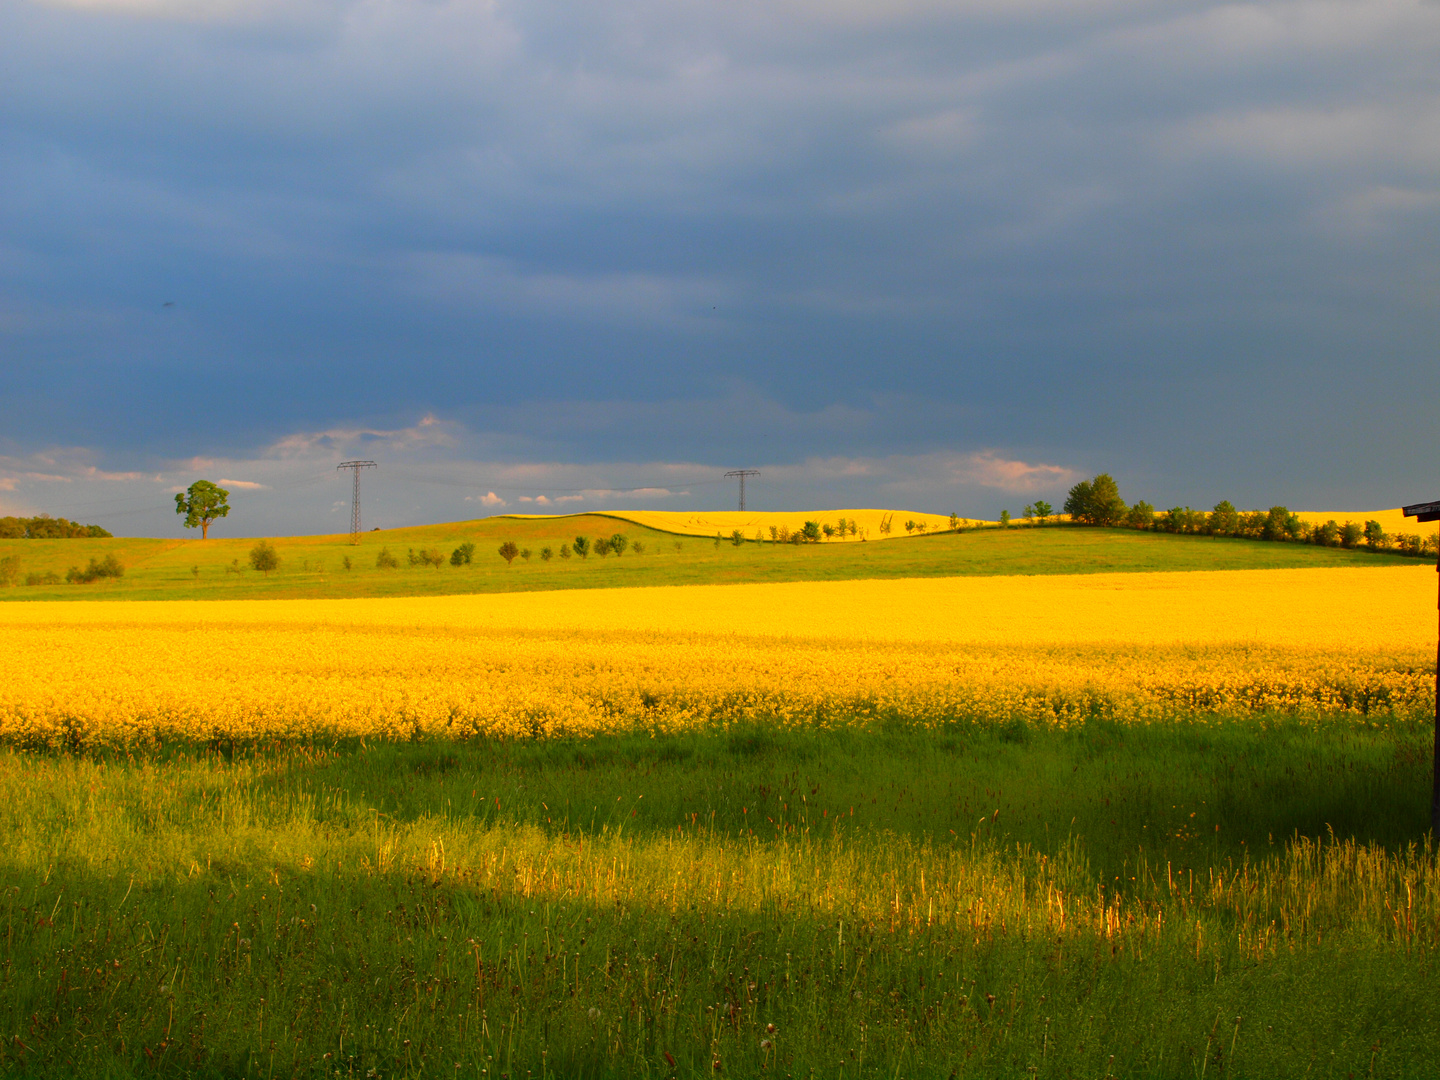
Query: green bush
x: 1252, y: 525
x: 9, y: 570
x: 508, y: 552
x: 618, y: 543
x: 108, y: 568
x: 1280, y: 524
x: 426, y: 557
x: 386, y: 560
x: 1224, y: 519
x: 1140, y: 516
x: 264, y: 557
x: 462, y: 555
x: 582, y: 546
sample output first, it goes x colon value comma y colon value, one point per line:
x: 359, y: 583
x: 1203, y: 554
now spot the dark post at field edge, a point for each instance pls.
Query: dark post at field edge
x: 1423, y: 512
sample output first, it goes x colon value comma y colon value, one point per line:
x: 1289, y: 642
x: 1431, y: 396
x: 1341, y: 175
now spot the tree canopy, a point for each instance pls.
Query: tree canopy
x: 45, y: 527
x: 201, y: 504
x: 264, y: 557
x: 1096, y: 502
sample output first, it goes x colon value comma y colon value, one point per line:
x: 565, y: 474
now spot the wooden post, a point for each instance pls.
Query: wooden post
x: 1423, y: 512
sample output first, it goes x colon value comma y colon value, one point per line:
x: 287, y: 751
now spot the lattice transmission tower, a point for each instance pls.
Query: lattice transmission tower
x: 742, y: 474
x: 355, y: 467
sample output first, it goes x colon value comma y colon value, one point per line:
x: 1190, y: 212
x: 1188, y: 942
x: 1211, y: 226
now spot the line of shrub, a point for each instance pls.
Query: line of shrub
x: 108, y: 567
x: 1098, y: 502
x: 46, y: 527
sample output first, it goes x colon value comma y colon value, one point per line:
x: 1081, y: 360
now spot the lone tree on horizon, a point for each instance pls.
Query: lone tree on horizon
x: 201, y: 504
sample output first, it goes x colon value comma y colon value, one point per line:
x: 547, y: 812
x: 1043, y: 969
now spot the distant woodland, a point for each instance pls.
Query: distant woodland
x: 1098, y: 502
x: 45, y: 527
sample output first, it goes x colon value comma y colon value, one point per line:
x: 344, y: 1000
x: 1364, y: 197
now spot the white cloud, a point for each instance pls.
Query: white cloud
x: 470, y: 280
x: 1381, y: 208
x: 246, y: 485
x: 1365, y: 135
x: 428, y: 432
x: 488, y: 499
x: 937, y: 472
x: 215, y: 12
x: 937, y: 134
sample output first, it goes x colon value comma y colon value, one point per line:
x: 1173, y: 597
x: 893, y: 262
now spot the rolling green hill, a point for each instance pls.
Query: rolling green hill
x: 314, y: 566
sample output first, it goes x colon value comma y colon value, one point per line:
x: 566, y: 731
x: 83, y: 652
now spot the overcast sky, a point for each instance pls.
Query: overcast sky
x: 565, y: 255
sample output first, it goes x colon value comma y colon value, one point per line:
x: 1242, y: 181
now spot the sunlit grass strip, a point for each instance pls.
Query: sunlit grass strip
x: 199, y: 917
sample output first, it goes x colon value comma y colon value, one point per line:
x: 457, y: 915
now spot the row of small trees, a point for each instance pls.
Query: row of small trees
x: 97, y: 570
x: 265, y: 558
x: 46, y: 527
x: 1098, y: 502
x: 582, y: 547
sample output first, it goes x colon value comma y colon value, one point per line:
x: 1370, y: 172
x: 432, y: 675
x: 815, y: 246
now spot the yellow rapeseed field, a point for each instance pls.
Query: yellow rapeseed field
x: 1132, y: 647
x: 1392, y: 521
x: 759, y: 522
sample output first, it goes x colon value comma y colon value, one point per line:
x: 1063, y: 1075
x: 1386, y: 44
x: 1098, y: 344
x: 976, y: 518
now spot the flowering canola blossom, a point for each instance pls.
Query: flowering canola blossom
x: 1137, y: 648
x: 752, y: 522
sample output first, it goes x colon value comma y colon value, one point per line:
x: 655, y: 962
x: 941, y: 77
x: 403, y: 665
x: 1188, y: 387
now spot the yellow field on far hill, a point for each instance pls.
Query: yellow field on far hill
x: 1392, y: 521
x: 751, y: 522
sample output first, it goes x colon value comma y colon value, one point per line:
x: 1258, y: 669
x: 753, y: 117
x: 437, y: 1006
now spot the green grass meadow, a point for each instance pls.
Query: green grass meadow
x: 1205, y: 900
x: 218, y: 568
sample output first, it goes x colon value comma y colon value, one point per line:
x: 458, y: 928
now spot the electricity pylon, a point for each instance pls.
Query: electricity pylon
x: 742, y: 474
x: 355, y: 467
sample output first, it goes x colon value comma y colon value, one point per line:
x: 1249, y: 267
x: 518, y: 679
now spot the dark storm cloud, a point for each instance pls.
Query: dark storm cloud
x: 1194, y: 244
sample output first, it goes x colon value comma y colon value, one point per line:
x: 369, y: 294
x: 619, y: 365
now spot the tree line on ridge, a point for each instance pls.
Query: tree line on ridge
x: 1098, y: 502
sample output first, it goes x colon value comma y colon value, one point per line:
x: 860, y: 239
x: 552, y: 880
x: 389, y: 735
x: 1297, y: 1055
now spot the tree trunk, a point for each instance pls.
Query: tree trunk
x: 204, y: 529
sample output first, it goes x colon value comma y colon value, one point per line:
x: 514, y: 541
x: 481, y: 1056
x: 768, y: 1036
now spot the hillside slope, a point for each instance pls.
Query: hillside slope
x: 870, y: 524
x: 316, y: 566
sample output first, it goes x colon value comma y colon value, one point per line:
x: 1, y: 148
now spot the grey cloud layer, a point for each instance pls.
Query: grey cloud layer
x: 1194, y: 243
